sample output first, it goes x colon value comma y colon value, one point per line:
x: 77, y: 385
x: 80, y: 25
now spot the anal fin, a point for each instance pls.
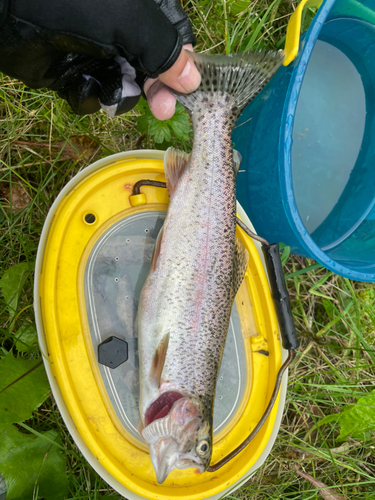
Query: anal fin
x: 175, y: 164
x: 159, y: 360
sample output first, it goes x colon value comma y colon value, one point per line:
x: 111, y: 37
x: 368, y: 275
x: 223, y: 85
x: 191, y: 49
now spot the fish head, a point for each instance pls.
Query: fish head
x: 182, y: 439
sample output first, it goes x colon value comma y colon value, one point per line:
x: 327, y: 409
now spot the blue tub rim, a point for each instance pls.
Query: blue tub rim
x: 285, y: 147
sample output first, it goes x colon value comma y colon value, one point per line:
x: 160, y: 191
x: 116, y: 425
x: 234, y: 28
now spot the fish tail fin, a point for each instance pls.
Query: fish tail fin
x: 241, y: 76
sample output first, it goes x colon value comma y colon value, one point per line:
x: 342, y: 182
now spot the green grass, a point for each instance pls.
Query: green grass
x: 335, y: 317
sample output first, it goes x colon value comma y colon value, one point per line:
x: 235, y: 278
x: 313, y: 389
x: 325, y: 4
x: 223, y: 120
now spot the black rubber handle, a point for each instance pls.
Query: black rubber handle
x: 280, y: 296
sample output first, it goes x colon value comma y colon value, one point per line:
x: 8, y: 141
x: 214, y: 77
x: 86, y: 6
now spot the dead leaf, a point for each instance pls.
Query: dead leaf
x: 15, y: 194
x: 341, y: 449
x: 291, y: 456
x: 79, y: 147
x: 327, y: 493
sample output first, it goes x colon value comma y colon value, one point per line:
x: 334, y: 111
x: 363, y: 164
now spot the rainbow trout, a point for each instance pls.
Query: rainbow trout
x: 197, y: 267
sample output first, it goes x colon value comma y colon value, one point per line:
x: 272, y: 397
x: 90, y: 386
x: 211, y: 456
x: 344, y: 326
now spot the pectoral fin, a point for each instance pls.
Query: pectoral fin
x: 175, y: 163
x: 140, y: 427
x: 159, y: 360
x: 240, y: 260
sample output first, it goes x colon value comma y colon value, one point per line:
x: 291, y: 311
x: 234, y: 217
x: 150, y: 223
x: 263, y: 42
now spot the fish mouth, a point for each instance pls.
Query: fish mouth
x: 172, y: 423
x: 161, y: 407
x: 165, y: 457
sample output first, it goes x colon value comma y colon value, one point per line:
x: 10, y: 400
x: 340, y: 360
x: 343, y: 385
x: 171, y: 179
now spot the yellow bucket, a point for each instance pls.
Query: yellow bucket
x: 83, y: 252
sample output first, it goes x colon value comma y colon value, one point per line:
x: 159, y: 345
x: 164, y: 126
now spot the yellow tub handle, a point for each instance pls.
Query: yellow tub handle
x: 293, y: 30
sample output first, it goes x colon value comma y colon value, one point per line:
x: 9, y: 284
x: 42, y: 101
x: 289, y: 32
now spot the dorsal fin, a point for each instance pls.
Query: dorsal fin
x: 157, y: 248
x: 175, y: 163
x: 159, y: 360
x: 237, y: 159
x: 240, y: 260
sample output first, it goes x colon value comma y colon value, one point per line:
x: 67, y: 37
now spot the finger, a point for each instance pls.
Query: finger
x: 183, y: 76
x: 150, y: 81
x: 161, y: 102
x: 82, y: 95
x: 148, y: 84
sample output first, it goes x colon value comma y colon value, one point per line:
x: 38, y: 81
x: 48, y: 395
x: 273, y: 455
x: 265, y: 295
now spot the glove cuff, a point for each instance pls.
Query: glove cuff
x: 4, y: 7
x: 169, y: 62
x: 173, y: 10
x: 174, y: 55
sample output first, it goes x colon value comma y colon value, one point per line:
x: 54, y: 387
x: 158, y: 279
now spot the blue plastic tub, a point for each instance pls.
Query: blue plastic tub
x: 307, y: 142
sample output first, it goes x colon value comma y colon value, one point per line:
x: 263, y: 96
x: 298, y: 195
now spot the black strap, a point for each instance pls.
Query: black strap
x: 280, y: 296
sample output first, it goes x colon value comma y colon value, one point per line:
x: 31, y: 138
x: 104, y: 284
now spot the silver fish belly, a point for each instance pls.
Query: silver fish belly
x: 198, y: 265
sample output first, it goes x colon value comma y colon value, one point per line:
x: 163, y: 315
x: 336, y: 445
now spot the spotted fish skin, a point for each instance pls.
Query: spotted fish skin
x: 189, y: 293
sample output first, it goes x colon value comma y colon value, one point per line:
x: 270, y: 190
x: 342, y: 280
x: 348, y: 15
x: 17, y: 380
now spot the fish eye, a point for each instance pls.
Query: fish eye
x: 203, y: 448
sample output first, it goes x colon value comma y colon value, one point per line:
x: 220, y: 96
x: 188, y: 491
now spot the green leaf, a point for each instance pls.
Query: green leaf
x: 359, y: 419
x: 319, y: 283
x: 327, y: 327
x: 325, y: 420
x: 27, y: 338
x: 31, y: 464
x: 307, y: 16
x: 23, y: 388
x: 329, y: 308
x: 163, y: 146
x: 143, y: 124
x: 11, y: 286
x: 304, y: 271
x: 161, y: 131
x: 180, y: 125
x: 142, y: 106
x: 238, y: 7
x: 285, y: 253
x: 256, y: 31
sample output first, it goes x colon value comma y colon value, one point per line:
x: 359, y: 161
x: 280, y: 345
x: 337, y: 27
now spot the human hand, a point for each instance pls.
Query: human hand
x: 87, y: 50
x: 183, y: 77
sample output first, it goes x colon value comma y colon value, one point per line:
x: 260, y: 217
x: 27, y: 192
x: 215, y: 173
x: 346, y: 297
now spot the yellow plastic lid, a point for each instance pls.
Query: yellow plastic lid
x: 293, y: 31
x: 93, y: 208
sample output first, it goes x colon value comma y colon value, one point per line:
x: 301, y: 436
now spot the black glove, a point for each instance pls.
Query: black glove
x: 87, y: 50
